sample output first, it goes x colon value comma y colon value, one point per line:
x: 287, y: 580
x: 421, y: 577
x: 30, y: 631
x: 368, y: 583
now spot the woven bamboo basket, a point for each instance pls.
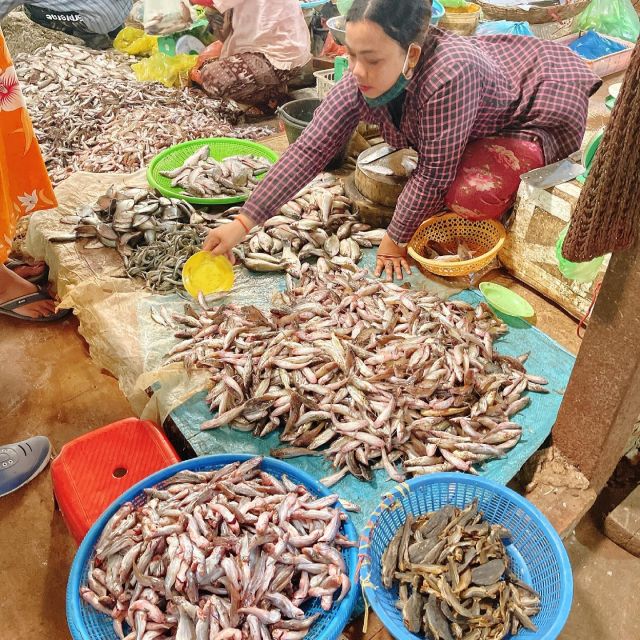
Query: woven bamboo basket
x: 486, y: 236
x: 461, y: 21
x: 535, y: 15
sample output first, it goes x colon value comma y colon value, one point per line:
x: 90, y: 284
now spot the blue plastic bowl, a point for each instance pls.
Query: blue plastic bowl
x: 87, y: 624
x: 535, y: 549
x: 437, y: 12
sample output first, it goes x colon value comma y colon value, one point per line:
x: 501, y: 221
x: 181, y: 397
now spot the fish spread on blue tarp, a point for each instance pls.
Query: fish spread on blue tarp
x: 547, y: 359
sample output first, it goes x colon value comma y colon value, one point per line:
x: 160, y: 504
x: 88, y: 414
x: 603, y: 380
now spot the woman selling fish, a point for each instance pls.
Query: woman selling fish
x: 479, y: 111
x: 266, y: 44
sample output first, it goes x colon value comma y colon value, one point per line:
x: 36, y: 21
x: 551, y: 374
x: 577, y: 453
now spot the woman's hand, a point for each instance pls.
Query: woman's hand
x: 221, y: 241
x: 391, y: 259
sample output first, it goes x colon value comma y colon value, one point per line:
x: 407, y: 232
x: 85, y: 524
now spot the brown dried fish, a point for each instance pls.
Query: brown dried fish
x: 437, y: 599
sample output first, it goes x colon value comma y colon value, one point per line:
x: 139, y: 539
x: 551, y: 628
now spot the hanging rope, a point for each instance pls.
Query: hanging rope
x: 607, y: 215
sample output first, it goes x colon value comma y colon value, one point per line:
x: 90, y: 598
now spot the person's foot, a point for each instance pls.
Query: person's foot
x: 27, y: 271
x: 12, y: 286
x: 21, y: 462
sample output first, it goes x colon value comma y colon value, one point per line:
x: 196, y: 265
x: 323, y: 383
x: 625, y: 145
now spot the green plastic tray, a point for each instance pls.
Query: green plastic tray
x: 506, y: 301
x: 220, y: 148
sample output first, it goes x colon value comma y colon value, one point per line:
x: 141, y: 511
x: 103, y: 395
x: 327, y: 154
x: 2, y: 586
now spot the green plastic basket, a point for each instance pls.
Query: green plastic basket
x: 220, y: 148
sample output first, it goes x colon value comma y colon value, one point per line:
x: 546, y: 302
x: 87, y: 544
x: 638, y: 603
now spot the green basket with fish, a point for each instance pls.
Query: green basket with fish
x: 224, y: 155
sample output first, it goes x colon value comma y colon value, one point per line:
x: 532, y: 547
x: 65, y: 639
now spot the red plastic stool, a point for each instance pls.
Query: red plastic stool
x: 93, y: 470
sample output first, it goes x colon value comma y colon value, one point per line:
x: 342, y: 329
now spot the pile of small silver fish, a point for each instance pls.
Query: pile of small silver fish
x: 366, y: 373
x: 204, y: 177
x: 230, y: 554
x: 91, y: 114
x: 160, y: 263
x: 454, y: 578
x: 123, y: 218
x: 317, y: 223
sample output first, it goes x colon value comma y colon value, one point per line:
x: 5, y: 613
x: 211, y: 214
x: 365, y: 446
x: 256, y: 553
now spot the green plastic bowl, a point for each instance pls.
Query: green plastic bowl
x: 220, y: 148
x: 506, y: 301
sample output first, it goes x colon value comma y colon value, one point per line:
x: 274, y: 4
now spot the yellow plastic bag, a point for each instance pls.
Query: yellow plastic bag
x: 135, y: 42
x: 171, y: 71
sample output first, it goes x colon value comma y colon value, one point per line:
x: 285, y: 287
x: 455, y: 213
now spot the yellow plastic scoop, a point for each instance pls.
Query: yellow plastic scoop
x: 207, y: 274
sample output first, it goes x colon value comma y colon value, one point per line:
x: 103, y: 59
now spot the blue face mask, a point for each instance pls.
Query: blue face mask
x: 397, y: 89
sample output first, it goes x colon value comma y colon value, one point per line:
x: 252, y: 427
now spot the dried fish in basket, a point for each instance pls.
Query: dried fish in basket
x: 232, y: 553
x: 454, y: 578
x: 366, y: 373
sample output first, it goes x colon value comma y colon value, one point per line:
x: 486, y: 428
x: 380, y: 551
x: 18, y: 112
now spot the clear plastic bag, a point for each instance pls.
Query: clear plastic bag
x: 135, y: 42
x: 578, y: 271
x: 507, y: 27
x: 616, y: 18
x: 171, y: 71
x: 165, y: 17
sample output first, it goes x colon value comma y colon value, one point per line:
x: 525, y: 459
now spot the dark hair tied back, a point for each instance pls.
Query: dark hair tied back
x: 406, y: 21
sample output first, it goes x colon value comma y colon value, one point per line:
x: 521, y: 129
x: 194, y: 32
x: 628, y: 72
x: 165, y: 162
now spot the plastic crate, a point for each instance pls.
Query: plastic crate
x: 93, y: 470
x: 609, y: 64
x: 324, y: 82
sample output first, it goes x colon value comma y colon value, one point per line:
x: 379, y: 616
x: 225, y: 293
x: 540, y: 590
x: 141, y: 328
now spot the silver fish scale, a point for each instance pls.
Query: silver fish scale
x: 91, y: 114
x: 227, y: 554
x: 366, y: 373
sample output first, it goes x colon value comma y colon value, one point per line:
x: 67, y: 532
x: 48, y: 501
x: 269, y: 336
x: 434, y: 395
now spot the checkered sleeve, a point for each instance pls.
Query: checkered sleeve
x: 333, y: 123
x: 446, y: 119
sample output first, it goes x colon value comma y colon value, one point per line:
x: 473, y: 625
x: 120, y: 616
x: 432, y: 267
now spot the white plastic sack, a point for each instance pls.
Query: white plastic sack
x: 164, y: 17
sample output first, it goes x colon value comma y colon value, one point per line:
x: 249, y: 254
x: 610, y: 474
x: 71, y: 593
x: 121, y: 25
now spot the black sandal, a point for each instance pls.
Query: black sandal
x: 16, y: 264
x: 7, y: 308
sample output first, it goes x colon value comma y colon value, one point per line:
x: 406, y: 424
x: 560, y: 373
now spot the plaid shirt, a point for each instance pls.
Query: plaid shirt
x: 464, y: 88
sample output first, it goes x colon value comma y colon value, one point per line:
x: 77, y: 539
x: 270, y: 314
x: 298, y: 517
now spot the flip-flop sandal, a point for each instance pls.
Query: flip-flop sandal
x: 8, y: 307
x: 15, y: 264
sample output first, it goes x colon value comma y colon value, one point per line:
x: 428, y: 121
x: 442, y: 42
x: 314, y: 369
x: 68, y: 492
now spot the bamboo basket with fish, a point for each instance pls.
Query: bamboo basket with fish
x: 457, y: 557
x: 476, y: 242
x: 221, y: 547
x: 365, y: 373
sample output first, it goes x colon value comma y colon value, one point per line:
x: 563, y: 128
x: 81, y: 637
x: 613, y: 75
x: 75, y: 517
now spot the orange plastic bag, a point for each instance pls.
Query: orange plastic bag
x: 212, y: 52
x: 332, y: 49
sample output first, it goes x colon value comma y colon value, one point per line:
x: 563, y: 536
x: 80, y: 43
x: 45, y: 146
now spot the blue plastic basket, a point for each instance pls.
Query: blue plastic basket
x: 535, y: 550
x: 87, y: 624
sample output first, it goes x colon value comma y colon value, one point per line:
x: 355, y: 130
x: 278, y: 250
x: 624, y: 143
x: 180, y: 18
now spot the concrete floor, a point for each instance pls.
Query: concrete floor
x: 50, y: 386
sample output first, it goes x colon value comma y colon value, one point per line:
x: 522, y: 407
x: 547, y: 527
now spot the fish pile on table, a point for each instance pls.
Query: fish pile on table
x: 123, y: 218
x: 222, y: 555
x: 317, y: 223
x: 204, y: 177
x: 366, y: 373
x: 454, y: 578
x: 91, y: 114
x: 160, y: 263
